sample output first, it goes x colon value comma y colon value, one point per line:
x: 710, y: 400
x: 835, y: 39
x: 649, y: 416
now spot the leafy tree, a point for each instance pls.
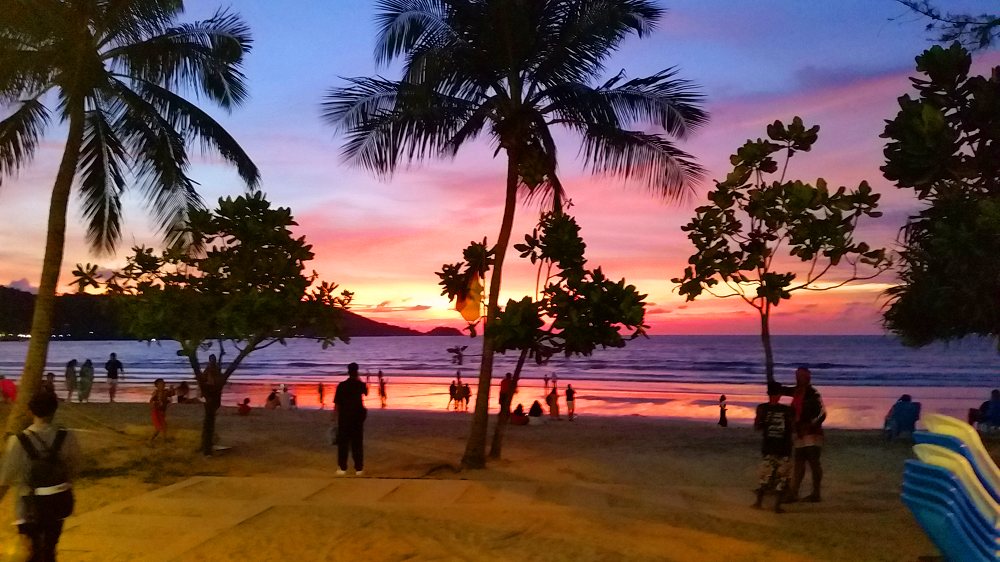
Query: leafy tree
x: 113, y: 68
x: 973, y: 31
x: 579, y: 309
x: 945, y: 145
x: 752, y: 220
x: 247, y: 291
x: 513, y: 70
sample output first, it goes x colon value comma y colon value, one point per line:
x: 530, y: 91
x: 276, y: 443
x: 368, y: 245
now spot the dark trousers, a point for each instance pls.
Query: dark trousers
x: 805, y: 455
x: 351, y: 434
x: 44, y: 538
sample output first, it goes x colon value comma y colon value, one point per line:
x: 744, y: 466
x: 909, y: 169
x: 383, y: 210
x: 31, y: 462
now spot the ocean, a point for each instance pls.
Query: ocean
x: 673, y: 376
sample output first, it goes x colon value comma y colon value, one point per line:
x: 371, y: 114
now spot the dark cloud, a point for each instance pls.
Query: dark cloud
x: 814, y: 77
x: 386, y: 306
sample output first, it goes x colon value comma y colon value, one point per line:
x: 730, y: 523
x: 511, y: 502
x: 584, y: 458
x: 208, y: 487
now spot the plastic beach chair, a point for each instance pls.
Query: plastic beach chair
x: 947, y: 425
x: 954, y: 444
x: 947, y: 534
x: 960, y: 468
x: 937, y: 485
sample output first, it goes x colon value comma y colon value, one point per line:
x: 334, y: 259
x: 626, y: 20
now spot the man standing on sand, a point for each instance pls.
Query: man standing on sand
x: 506, y: 393
x: 41, y: 529
x: 349, y: 407
x: 809, y: 416
x: 115, y: 369
x: 775, y: 420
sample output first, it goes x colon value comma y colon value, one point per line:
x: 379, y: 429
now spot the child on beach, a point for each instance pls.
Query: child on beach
x: 158, y: 408
x: 381, y: 388
x: 775, y: 420
x: 243, y: 408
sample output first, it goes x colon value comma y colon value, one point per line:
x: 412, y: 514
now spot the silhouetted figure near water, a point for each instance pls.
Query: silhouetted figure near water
x: 723, y: 422
x: 115, y: 370
x: 382, y: 396
x: 452, y: 395
x: 70, y: 379
x: 349, y: 406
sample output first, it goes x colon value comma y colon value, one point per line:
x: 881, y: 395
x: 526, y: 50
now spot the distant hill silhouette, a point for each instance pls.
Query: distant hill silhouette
x: 88, y: 317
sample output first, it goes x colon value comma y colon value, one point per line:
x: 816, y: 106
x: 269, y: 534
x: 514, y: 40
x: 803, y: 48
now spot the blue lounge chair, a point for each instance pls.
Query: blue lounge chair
x: 954, y: 444
x: 941, y: 526
x: 936, y: 485
x: 947, y: 425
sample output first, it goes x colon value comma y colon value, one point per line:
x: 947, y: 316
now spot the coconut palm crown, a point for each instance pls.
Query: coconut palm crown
x: 111, y: 70
x: 513, y: 71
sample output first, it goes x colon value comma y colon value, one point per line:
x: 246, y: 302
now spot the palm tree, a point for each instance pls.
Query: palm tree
x: 514, y: 70
x: 112, y: 69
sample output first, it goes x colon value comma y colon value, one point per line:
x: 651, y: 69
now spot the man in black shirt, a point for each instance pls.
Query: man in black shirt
x: 115, y: 369
x: 349, y: 406
x: 775, y: 420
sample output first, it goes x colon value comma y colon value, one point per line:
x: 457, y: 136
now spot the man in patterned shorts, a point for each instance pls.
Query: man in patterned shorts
x: 775, y: 421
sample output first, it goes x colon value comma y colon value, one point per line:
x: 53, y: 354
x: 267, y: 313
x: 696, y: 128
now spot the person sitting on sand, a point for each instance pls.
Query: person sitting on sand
x: 989, y: 412
x: 286, y: 398
x: 243, y: 408
x: 518, y: 417
x: 535, y: 410
x: 775, y: 420
x: 183, y: 394
x: 272, y: 401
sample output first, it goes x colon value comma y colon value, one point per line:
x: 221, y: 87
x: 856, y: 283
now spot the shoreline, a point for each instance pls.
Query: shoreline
x: 848, y: 407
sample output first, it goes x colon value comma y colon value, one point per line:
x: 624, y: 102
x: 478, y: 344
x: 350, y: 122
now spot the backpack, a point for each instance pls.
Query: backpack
x: 51, y: 495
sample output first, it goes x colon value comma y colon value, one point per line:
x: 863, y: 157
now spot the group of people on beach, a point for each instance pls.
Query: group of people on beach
x: 82, y: 381
x: 458, y: 394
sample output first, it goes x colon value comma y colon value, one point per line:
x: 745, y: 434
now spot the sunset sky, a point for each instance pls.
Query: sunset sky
x: 837, y: 64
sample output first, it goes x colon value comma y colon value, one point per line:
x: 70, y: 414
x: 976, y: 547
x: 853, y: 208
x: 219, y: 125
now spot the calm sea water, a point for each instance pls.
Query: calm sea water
x: 680, y: 376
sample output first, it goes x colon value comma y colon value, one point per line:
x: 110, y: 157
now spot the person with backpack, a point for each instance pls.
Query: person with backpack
x: 39, y: 463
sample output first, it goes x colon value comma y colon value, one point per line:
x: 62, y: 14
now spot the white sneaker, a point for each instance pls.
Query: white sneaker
x: 359, y: 473
x: 341, y: 472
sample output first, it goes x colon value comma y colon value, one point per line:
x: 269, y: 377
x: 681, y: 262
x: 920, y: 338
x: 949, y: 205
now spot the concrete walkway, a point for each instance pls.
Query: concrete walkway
x: 186, y: 520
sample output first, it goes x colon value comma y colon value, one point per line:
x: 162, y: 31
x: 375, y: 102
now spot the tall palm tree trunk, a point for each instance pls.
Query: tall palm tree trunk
x: 475, y: 448
x: 45, y: 302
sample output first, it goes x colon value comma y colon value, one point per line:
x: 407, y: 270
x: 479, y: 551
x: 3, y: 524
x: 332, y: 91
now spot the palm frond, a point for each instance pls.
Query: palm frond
x: 671, y: 104
x: 19, y: 135
x: 649, y: 159
x: 159, y: 159
x: 205, y: 56
x: 386, y: 122
x: 582, y: 34
x: 23, y: 72
x: 102, y: 181
x: 124, y: 22
x: 402, y: 24
x: 188, y: 119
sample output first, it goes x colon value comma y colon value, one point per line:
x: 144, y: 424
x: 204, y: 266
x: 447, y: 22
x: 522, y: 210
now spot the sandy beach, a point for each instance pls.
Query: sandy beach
x: 677, y: 490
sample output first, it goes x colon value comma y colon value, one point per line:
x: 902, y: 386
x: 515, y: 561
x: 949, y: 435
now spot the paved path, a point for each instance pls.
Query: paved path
x: 170, y: 523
